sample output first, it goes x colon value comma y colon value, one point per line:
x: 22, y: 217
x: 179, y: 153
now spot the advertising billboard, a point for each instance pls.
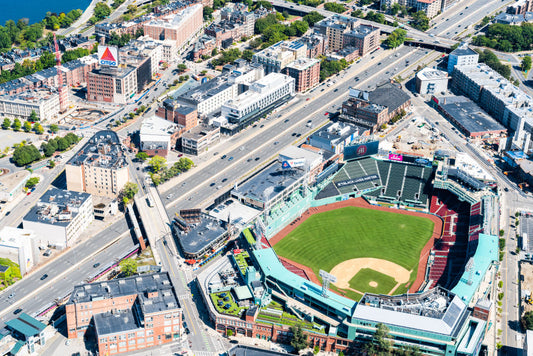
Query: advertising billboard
x: 361, y: 150
x: 395, y: 157
x: 293, y: 163
x: 108, y: 56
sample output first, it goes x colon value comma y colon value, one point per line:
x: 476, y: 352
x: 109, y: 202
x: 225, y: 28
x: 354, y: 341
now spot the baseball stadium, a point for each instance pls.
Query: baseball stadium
x: 411, y: 244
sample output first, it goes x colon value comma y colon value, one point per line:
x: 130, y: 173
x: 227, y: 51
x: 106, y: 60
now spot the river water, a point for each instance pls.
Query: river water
x: 35, y: 10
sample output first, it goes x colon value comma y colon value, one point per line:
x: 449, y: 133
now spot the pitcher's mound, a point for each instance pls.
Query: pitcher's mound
x: 373, y: 284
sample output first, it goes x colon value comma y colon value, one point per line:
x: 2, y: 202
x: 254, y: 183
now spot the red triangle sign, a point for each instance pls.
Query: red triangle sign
x: 107, y: 56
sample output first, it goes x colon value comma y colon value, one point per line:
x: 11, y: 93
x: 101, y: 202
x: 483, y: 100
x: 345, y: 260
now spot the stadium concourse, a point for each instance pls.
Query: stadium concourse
x: 448, y: 308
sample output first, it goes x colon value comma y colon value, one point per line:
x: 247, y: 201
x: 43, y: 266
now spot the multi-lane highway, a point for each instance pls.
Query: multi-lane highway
x: 261, y: 142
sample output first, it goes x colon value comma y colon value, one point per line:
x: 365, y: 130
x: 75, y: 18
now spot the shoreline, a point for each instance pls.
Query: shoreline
x: 43, y: 15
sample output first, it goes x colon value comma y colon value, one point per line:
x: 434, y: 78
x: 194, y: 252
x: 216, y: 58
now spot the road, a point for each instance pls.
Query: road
x: 511, y: 201
x: 260, y: 144
x: 463, y: 14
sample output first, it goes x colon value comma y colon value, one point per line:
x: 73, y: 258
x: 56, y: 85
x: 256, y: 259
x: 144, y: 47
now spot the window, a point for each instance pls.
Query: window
x: 122, y: 344
x: 140, y: 333
x: 103, y: 340
x: 150, y: 339
x: 168, y: 329
x: 122, y: 337
x: 131, y: 336
x: 140, y: 341
x: 149, y: 332
x: 131, y: 342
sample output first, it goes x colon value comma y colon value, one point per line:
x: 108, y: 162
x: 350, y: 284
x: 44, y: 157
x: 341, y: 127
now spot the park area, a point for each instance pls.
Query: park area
x: 367, y: 250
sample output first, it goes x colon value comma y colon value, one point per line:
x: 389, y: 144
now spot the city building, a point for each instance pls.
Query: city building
x: 431, y: 81
x: 209, y: 97
x: 430, y: 7
x: 520, y: 7
x: 112, y: 85
x: 11, y: 184
x: 278, y: 56
x: 375, y: 108
x: 335, y: 136
x: 180, y: 27
x: 500, y: 98
x: 461, y: 56
x: 317, y: 44
x: 514, y: 20
x: 204, y: 46
x: 342, y: 31
x: 198, y: 233
x: 468, y: 117
x: 158, y: 136
x: 19, y: 246
x: 306, y: 73
x: 199, y: 139
x: 44, y: 101
x: 236, y: 22
x: 185, y: 116
x: 74, y: 74
x: 28, y: 331
x: 59, y: 217
x: 125, y: 314
x: 262, y: 96
x: 100, y: 167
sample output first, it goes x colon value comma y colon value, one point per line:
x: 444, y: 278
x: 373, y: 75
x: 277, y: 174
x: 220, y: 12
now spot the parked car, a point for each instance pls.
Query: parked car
x: 44, y: 276
x: 96, y: 265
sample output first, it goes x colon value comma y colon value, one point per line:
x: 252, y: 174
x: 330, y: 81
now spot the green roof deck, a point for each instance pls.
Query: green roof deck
x: 26, y: 325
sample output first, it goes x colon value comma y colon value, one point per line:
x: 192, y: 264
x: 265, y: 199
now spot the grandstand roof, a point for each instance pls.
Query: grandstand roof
x: 446, y: 323
x: 486, y: 254
x: 272, y: 267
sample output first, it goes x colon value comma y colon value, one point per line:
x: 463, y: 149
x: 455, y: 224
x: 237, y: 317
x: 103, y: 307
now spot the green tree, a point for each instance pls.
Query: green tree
x: 334, y: 7
x: 101, y: 11
x: 32, y: 182
x: 380, y: 343
x: 128, y: 267
x: 16, y: 125
x: 420, y: 21
x: 526, y: 63
x: 396, y: 38
x: 156, y: 163
x: 183, y: 164
x: 33, y: 116
x: 51, y: 163
x: 129, y: 190
x: 301, y: 27
x: 6, y: 124
x: 395, y: 8
x: 299, y: 339
x: 62, y: 144
x: 208, y: 13
x: 141, y: 156
x: 24, y: 155
x: 527, y: 320
x: 375, y: 16
x: 312, y: 18
x: 27, y: 126
x: 357, y: 13
x: 247, y: 54
x: 54, y: 128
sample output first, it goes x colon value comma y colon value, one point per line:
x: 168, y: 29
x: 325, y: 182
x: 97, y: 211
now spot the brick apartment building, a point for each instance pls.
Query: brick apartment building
x: 306, y: 73
x: 185, y: 116
x: 125, y: 314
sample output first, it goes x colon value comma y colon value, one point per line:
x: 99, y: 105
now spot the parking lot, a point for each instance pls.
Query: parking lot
x: 526, y: 231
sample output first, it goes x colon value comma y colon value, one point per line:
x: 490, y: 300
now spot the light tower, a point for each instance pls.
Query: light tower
x: 61, y: 89
x: 326, y: 279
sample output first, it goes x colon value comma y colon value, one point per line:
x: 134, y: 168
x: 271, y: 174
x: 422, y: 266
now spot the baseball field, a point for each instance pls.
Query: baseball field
x: 367, y: 250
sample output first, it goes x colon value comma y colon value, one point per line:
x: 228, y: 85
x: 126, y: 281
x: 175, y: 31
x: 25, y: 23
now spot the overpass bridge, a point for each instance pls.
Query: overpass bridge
x: 418, y: 38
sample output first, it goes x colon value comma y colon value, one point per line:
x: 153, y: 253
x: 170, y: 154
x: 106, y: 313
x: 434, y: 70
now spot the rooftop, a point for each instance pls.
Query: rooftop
x: 437, y: 311
x: 26, y: 325
x: 15, y: 236
x: 115, y: 72
x: 34, y: 96
x: 269, y: 183
x: 303, y: 63
x: 162, y: 296
x: 469, y: 115
x: 116, y: 322
x: 57, y: 207
x: 199, y: 131
x: 241, y: 350
x: 103, y: 150
x: 154, y: 125
x: 196, y: 235
x: 12, y: 181
x: 175, y: 20
x: 432, y: 74
x: 336, y: 132
x: 463, y: 50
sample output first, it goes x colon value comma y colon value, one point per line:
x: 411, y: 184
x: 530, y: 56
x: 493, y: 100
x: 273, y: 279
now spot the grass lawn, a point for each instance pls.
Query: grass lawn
x: 366, y: 275
x: 233, y: 309
x: 326, y: 239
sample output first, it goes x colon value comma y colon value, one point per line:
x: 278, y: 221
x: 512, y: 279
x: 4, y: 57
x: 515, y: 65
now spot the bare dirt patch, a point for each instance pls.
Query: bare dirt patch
x: 346, y: 270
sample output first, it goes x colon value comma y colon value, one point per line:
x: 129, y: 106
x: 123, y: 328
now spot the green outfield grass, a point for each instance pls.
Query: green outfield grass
x: 361, y: 281
x: 327, y: 239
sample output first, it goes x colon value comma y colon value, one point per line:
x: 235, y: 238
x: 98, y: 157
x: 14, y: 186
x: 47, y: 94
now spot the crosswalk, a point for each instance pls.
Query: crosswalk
x: 204, y: 353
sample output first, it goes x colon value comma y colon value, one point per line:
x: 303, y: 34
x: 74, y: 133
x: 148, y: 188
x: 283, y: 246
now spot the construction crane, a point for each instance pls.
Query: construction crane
x: 61, y: 89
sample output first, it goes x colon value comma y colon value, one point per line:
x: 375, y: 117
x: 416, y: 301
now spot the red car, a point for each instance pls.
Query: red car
x: 326, y: 114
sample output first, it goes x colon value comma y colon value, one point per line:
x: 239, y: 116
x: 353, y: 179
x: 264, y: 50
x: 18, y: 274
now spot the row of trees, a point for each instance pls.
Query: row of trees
x: 381, y: 343
x: 17, y: 125
x: 329, y: 68
x: 489, y: 58
x: 370, y: 16
x: 54, y: 22
x: 273, y: 31
x: 59, y: 144
x: 230, y: 55
x: 507, y: 38
x: 334, y: 7
x: 159, y: 172
x: 122, y: 40
x: 101, y: 11
x: 396, y: 38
